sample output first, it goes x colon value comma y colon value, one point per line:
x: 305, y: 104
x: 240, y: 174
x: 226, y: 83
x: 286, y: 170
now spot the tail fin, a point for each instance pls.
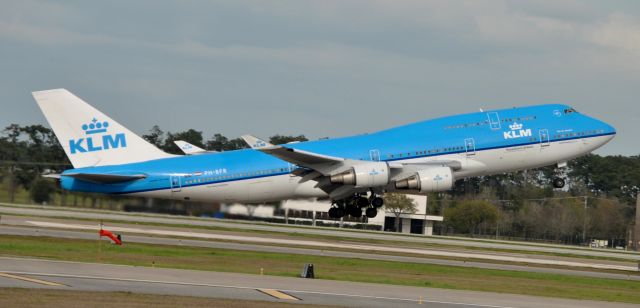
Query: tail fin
x: 89, y: 137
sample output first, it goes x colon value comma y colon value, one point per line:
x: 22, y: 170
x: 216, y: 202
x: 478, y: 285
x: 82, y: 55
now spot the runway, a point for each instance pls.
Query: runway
x: 60, y: 212
x: 36, y: 273
x: 20, y: 225
x: 22, y: 231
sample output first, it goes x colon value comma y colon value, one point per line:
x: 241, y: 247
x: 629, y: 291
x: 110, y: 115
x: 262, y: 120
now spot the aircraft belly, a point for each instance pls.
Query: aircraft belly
x: 528, y: 157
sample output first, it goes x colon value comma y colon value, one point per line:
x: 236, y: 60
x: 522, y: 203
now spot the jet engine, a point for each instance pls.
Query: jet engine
x: 371, y: 174
x: 428, y: 180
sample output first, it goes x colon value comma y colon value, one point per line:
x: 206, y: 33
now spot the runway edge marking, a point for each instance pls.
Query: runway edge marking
x: 277, y: 294
x: 257, y: 288
x: 34, y: 280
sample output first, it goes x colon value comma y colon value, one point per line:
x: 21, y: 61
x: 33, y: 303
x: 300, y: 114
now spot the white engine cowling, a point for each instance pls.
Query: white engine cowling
x: 428, y: 180
x: 372, y: 174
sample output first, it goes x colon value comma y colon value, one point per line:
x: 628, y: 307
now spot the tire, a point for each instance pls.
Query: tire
x: 333, y: 212
x: 339, y: 212
x: 355, y: 212
x: 558, y: 183
x: 362, y: 202
x: 371, y: 212
x: 377, y: 202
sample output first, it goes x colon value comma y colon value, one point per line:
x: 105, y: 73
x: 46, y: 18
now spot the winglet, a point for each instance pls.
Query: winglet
x: 257, y: 143
x: 189, y: 148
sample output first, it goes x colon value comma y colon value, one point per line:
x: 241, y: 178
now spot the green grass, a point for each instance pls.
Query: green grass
x: 333, y: 238
x: 348, y: 269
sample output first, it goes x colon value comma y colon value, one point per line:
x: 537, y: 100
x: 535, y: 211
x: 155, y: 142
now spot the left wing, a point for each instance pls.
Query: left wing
x: 324, y: 164
x: 316, y: 167
x: 341, y: 177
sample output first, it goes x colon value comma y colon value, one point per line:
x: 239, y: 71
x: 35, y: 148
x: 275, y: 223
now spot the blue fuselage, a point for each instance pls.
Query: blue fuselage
x: 453, y: 136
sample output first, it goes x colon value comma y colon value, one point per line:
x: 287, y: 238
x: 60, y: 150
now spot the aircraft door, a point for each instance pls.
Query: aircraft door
x: 544, y: 138
x: 494, y: 120
x: 374, y: 155
x: 470, y: 146
x: 176, y: 183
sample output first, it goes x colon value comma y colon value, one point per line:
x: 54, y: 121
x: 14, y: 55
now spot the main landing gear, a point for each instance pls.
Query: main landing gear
x: 353, y: 206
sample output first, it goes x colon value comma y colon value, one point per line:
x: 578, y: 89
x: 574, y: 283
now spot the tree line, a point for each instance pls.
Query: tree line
x: 598, y: 202
x: 28, y: 152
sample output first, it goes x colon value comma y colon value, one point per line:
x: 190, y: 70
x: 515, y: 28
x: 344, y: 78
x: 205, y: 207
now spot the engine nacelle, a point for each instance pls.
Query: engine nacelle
x: 428, y: 180
x: 372, y: 174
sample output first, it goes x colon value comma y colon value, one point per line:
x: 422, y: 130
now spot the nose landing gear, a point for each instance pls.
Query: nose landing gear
x: 558, y: 182
x: 560, y: 174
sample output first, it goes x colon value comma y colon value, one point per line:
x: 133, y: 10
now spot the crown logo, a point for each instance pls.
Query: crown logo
x: 95, y: 127
x: 515, y: 126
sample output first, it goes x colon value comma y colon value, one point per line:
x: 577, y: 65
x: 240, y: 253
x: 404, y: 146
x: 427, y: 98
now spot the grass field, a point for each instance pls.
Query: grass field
x: 15, y: 297
x: 348, y: 269
x: 356, y: 238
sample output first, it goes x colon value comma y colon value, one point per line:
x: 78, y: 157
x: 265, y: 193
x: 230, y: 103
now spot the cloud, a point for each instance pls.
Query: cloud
x: 304, y: 60
x: 619, y: 31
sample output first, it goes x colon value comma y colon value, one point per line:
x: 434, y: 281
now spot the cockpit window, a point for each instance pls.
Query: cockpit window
x: 570, y: 110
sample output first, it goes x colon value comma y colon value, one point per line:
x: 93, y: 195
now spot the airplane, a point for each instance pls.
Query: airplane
x: 353, y: 172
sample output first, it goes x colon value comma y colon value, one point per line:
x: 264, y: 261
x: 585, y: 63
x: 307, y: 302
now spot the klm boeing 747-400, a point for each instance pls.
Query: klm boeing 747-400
x: 353, y: 172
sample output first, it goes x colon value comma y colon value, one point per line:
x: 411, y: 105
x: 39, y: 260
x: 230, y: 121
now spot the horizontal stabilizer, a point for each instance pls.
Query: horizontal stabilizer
x: 103, y: 178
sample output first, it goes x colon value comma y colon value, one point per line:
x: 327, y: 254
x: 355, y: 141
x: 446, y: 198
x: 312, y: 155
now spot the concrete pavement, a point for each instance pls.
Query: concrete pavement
x: 105, y: 277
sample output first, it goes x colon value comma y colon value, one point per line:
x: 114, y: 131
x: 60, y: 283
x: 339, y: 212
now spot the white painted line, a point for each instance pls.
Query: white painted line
x: 251, y: 288
x: 253, y: 239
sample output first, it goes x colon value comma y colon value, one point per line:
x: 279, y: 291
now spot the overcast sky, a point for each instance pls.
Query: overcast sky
x: 321, y: 68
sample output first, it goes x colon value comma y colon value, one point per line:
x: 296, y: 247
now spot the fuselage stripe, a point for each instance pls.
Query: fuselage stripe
x: 387, y: 160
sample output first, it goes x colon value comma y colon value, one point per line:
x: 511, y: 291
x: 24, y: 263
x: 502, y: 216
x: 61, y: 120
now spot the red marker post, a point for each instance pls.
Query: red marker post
x: 115, y: 238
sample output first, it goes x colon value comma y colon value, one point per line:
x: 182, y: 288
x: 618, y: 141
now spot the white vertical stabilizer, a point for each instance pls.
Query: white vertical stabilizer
x: 89, y: 137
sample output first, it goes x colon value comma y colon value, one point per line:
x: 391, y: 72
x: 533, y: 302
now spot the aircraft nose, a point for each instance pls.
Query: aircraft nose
x: 608, y: 128
x: 605, y: 130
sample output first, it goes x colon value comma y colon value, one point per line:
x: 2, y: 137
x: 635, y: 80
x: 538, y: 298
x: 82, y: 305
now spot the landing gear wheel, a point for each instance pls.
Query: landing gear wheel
x: 339, y: 212
x: 377, y: 202
x: 371, y: 212
x: 355, y: 212
x: 558, y: 183
x: 362, y: 202
x: 333, y: 212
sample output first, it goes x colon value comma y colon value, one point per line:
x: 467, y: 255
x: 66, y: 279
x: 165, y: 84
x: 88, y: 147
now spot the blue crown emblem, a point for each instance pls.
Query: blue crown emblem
x: 95, y: 127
